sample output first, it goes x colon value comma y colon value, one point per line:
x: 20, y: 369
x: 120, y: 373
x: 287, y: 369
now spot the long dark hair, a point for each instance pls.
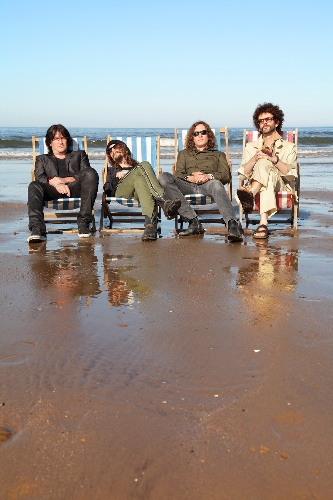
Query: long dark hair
x: 129, y: 160
x: 51, y: 132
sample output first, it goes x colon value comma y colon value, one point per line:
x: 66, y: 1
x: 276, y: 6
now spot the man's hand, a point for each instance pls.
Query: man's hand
x: 59, y: 183
x: 121, y: 174
x: 199, y: 178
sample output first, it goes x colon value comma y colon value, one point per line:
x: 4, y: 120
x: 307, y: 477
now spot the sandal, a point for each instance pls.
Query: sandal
x: 246, y: 199
x: 261, y: 232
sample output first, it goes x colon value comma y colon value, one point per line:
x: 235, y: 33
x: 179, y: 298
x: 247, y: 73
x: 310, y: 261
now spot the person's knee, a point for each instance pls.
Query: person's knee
x: 217, y: 187
x: 90, y: 175
x: 165, y: 178
x: 34, y: 187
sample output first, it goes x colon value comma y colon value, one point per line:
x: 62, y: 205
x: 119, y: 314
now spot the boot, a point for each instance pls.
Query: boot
x: 169, y: 207
x: 194, y: 227
x: 150, y: 232
x: 234, y: 231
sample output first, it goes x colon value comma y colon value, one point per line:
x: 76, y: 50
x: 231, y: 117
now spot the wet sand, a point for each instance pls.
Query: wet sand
x: 179, y: 369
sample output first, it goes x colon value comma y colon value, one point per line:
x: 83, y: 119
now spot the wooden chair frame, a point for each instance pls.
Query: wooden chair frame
x: 199, y: 208
x: 65, y: 209
x: 291, y: 136
x: 127, y: 216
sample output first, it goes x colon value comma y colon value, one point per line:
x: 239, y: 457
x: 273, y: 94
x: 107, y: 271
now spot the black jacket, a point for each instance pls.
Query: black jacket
x: 46, y: 165
x: 112, y: 181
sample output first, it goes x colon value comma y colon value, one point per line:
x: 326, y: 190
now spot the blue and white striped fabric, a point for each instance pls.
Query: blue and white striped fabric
x: 127, y: 202
x: 199, y: 199
x: 64, y: 204
x: 42, y: 149
x: 142, y: 149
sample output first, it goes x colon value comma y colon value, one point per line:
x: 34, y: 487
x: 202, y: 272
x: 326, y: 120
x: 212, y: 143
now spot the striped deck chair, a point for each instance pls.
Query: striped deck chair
x: 198, y: 201
x: 287, y: 202
x: 142, y: 149
x: 65, y: 210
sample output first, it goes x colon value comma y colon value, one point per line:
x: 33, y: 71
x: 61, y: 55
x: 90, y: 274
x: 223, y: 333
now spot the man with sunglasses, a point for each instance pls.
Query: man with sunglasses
x: 61, y: 173
x: 269, y: 164
x: 201, y: 169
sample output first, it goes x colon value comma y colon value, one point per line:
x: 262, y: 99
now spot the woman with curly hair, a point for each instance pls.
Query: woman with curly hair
x: 269, y: 165
x: 201, y: 169
x: 127, y: 178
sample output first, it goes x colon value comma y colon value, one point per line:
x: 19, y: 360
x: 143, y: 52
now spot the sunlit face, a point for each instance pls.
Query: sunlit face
x: 267, y: 123
x: 200, y: 140
x: 59, y: 144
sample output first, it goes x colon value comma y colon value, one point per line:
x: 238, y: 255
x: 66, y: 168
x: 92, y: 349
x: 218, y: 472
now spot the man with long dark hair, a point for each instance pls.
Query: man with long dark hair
x: 127, y: 178
x: 61, y: 173
x: 269, y: 165
x: 201, y: 169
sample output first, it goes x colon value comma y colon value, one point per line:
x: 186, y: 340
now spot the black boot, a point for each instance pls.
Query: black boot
x: 234, y: 231
x: 169, y: 207
x: 150, y: 232
x: 194, y: 227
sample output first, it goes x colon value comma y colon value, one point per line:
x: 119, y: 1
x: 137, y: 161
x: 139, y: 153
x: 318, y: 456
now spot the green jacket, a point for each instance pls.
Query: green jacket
x: 209, y: 161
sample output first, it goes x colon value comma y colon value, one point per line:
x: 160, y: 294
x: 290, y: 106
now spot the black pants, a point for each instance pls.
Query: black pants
x: 85, y: 187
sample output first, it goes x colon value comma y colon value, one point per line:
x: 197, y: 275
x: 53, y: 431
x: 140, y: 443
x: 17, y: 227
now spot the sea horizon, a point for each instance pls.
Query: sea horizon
x: 15, y: 142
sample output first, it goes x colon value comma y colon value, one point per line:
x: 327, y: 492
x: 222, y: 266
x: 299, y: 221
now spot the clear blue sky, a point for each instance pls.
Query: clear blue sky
x: 145, y: 63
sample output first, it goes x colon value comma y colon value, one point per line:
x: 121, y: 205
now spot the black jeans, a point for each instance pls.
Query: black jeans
x: 85, y: 187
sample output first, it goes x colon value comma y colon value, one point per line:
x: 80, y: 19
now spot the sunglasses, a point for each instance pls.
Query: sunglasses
x: 202, y: 132
x: 264, y: 120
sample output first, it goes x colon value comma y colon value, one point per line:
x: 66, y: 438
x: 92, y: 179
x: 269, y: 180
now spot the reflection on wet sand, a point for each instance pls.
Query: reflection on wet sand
x: 70, y: 270
x: 271, y: 271
x: 122, y: 289
x: 73, y: 272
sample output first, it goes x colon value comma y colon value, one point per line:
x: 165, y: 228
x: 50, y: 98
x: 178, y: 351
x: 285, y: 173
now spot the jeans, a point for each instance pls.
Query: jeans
x: 84, y: 187
x: 176, y: 188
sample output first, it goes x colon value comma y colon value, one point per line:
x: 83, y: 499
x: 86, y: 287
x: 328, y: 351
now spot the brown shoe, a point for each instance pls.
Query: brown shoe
x: 247, y: 200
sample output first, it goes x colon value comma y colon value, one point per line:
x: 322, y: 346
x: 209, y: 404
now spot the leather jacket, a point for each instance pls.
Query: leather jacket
x: 46, y: 165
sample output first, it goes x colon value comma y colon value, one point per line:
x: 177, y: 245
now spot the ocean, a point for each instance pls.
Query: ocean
x: 15, y: 142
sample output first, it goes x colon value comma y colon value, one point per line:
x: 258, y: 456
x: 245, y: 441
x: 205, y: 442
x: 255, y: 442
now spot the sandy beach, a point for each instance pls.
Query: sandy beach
x: 184, y: 368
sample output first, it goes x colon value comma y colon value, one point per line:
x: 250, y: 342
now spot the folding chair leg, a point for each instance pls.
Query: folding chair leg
x: 105, y: 212
x: 240, y: 215
x: 93, y: 223
x: 295, y: 214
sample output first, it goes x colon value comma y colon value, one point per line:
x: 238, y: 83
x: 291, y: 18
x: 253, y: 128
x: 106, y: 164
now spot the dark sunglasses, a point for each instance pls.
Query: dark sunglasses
x: 202, y: 132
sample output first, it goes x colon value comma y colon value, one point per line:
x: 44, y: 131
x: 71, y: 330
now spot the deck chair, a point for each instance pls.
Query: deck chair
x: 199, y: 201
x: 142, y: 149
x: 65, y: 210
x: 287, y: 202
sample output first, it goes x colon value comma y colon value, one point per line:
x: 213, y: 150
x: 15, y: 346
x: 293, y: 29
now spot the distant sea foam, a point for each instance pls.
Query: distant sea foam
x: 15, y: 142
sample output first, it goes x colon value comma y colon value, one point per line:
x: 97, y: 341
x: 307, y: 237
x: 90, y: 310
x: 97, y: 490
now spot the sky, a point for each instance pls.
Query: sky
x: 143, y: 63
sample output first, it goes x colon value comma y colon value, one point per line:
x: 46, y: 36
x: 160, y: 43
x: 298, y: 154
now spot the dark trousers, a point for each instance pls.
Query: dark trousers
x: 178, y: 188
x: 84, y: 187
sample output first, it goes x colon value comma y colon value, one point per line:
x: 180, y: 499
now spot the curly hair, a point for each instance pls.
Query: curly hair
x: 129, y: 160
x: 268, y: 107
x: 189, y: 141
x: 50, y: 135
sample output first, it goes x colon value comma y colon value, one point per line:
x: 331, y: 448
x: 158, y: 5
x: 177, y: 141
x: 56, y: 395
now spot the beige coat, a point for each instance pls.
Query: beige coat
x: 268, y: 175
